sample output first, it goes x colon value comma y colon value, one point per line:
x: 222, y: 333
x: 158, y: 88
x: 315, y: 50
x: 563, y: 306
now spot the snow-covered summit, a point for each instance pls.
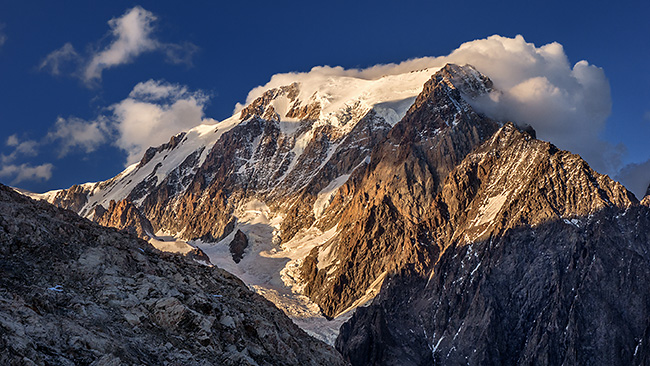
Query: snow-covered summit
x: 338, y: 101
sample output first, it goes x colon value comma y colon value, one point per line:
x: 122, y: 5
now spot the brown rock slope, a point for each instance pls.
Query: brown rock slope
x: 384, y: 204
x: 542, y: 261
x: 75, y: 293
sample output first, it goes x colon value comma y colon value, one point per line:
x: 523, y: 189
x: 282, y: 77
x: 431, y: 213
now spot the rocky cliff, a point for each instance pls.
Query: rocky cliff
x: 538, y: 260
x: 124, y: 215
x: 74, y: 292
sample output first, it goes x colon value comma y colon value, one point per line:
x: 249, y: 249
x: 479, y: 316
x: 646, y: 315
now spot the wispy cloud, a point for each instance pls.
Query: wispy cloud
x: 130, y: 35
x: 3, y: 36
x: 26, y: 172
x: 65, y: 58
x: 18, y: 173
x: 73, y: 133
x: 27, y: 148
x: 180, y: 53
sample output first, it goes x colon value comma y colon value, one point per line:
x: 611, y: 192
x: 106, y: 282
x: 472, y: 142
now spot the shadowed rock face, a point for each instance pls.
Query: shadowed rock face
x: 73, y: 198
x: 549, y: 295
x: 74, y: 292
x: 541, y: 261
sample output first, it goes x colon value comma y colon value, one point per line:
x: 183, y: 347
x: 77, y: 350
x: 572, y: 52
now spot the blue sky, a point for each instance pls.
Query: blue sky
x: 210, y: 54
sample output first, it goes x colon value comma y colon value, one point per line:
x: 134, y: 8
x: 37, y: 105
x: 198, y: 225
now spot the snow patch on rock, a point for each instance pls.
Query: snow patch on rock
x: 326, y: 195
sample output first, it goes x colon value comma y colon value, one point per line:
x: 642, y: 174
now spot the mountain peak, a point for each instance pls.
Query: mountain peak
x: 466, y: 79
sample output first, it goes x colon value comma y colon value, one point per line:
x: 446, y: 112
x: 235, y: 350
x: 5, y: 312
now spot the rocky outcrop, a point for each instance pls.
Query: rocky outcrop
x: 73, y: 292
x: 351, y: 153
x: 73, y: 198
x: 536, y: 256
x: 123, y: 215
x: 237, y: 246
x: 257, y: 159
x: 152, y: 151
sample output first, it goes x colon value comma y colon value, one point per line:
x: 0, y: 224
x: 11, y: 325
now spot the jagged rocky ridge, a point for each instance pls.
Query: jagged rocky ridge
x: 538, y: 260
x: 285, y: 150
x: 74, y: 292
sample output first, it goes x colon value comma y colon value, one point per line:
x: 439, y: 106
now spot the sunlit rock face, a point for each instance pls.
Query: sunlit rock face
x: 538, y: 256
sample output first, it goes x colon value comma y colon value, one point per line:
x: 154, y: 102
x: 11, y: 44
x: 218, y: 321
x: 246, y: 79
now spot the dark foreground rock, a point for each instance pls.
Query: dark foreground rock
x: 75, y: 293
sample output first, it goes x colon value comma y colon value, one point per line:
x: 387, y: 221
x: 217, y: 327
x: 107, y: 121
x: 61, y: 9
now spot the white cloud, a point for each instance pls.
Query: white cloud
x: 131, y: 35
x: 153, y: 112
x: 12, y: 140
x: 26, y: 172
x: 74, y: 133
x: 26, y: 148
x: 567, y: 105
